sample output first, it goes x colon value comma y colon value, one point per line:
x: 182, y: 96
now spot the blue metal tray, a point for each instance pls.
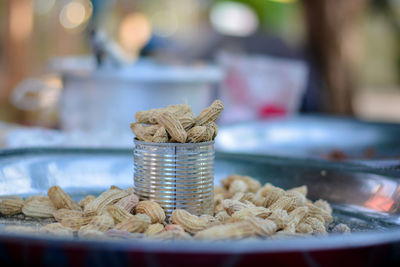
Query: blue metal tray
x: 322, y: 137
x: 365, y: 198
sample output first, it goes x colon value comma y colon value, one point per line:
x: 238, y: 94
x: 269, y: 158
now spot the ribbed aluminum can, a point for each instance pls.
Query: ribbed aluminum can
x: 177, y: 176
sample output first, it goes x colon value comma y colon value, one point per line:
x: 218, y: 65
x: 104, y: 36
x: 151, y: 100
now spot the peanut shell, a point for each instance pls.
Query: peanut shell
x: 141, y: 132
x: 232, y: 206
x: 106, y: 198
x: 101, y: 223
x: 154, y: 229
x: 11, y: 206
x: 223, y: 216
x: 186, y: 119
x: 136, y: 224
x: 250, y: 212
x: 150, y: 116
x: 128, y: 203
x: 151, y: 209
x: 60, y: 199
x: 191, y: 223
x: 118, y: 213
x: 83, y: 202
x: 317, y: 226
x: 173, y: 126
x: 75, y: 223
x: 197, y: 134
x: 235, y: 230
x: 160, y: 136
x: 174, y: 227
x: 61, y: 214
x: 210, y: 114
x: 38, y: 209
x: 301, y: 189
x: 262, y: 227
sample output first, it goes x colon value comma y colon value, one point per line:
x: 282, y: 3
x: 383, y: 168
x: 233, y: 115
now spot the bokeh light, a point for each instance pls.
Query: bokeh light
x: 134, y: 31
x: 75, y: 13
x: 233, y: 18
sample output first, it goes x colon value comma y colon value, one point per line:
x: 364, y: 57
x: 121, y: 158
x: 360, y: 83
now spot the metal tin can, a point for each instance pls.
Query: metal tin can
x: 177, y: 176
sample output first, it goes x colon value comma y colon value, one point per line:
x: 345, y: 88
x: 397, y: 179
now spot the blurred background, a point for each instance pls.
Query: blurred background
x: 84, y: 67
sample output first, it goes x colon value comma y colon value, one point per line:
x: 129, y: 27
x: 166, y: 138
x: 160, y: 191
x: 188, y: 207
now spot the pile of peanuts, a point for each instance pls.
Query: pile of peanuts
x: 176, y: 123
x: 242, y: 209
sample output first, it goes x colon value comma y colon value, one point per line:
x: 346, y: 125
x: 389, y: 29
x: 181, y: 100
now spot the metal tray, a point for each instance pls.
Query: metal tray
x: 363, y: 197
x: 313, y: 137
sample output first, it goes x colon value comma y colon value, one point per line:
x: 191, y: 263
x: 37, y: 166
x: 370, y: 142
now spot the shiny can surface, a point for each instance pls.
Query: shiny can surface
x: 175, y: 175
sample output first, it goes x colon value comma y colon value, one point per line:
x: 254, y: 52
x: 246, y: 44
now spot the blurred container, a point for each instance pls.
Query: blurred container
x: 107, y: 99
x: 258, y: 86
x: 38, y: 98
